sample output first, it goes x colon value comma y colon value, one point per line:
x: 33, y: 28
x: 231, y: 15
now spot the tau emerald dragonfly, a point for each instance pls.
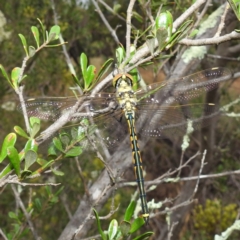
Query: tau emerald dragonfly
x: 153, y: 111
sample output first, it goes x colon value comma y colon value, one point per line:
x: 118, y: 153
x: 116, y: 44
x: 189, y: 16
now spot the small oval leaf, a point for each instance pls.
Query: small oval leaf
x: 20, y: 132
x: 32, y: 51
x: 57, y: 143
x: 24, y: 43
x: 35, y: 34
x: 74, y: 152
x: 112, y: 229
x: 54, y: 33
x: 14, y: 159
x: 15, y: 76
x: 30, y: 159
x: 8, y: 141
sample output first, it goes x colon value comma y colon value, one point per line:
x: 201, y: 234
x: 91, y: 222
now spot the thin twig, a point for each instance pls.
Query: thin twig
x: 222, y: 22
x: 13, y: 179
x: 65, y: 52
x: 202, y: 14
x: 199, y: 174
x: 110, y: 29
x: 27, y: 216
x: 210, y: 41
x: 86, y: 190
x: 129, y: 27
x: 187, y: 13
x: 3, y: 235
x: 111, y: 10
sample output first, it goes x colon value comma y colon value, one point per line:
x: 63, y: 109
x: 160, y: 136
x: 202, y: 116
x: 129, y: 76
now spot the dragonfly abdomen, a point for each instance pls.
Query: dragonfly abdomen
x: 137, y: 161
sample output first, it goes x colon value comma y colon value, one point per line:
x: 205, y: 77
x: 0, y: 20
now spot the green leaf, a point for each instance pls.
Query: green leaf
x: 8, y: 141
x: 25, y: 173
x: 144, y: 236
x: 38, y: 204
x: 54, y: 33
x: 235, y: 5
x: 31, y: 145
x: 6, y: 170
x: 76, y: 80
x: 14, y: 159
x: 24, y: 43
x: 34, y: 120
x: 59, y: 191
x: 57, y: 172
x: 150, y: 41
x: 32, y: 51
x: 105, y: 67
x: 137, y: 16
x: 125, y: 228
x: 83, y: 64
x: 12, y: 215
x: 57, y: 143
x: 65, y: 139
x: 43, y: 167
x: 30, y: 159
x: 35, y: 129
x: 36, y: 35
x: 161, y: 35
x: 20, y: 132
x: 130, y: 210
x: 138, y: 222
x: 165, y: 21
x: 41, y: 161
x: 6, y: 75
x: 52, y: 151
x: 112, y: 229
x: 89, y: 76
x: 120, y: 55
x: 103, y: 235
x: 74, y: 152
x: 43, y: 29
x: 48, y: 190
x: 15, y: 76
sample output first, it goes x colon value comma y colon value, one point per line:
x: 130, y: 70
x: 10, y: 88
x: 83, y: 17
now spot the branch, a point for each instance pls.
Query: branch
x: 209, y: 41
x: 128, y: 28
x: 187, y: 13
x: 19, y: 201
x: 111, y: 30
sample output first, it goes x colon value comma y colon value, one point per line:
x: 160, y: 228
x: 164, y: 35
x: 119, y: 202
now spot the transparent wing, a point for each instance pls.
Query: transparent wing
x: 181, y: 90
x: 163, y: 108
x: 52, y: 108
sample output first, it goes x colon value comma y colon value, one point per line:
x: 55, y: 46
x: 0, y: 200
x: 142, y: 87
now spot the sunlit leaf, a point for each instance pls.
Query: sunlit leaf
x: 8, y: 141
x: 129, y: 211
x: 54, y: 33
x: 103, y: 235
x: 32, y: 51
x: 20, y: 132
x: 35, y: 32
x: 137, y: 223
x: 15, y: 76
x: 14, y: 159
x: 112, y: 229
x: 6, y: 75
x: 24, y: 43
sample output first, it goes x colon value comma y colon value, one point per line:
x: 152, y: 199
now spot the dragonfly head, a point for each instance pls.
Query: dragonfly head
x: 122, y: 77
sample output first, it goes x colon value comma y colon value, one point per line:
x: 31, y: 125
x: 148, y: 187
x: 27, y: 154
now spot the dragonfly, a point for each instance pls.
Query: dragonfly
x: 154, y: 110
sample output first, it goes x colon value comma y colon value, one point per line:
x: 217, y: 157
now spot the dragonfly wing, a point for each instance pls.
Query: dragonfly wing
x: 175, y: 120
x: 52, y: 108
x: 183, y: 89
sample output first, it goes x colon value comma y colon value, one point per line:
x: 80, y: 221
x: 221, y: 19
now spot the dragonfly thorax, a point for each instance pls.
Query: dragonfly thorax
x: 126, y: 96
